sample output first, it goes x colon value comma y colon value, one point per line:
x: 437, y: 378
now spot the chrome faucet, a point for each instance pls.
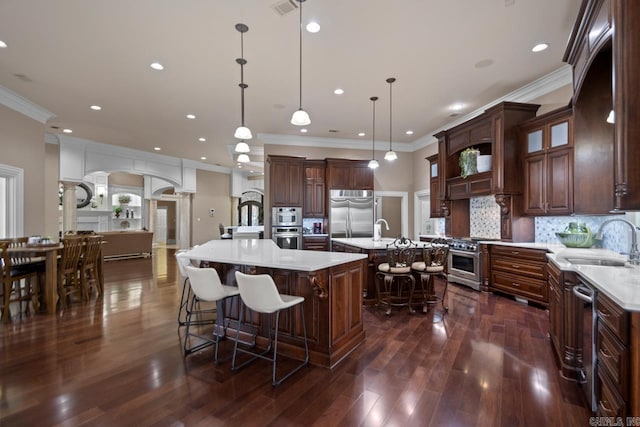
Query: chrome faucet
x: 634, y: 255
x: 377, y: 229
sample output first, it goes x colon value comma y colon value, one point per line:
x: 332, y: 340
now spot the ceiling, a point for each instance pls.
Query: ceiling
x: 67, y: 55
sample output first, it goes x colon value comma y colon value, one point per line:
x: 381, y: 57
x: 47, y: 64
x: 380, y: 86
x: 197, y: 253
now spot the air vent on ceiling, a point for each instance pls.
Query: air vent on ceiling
x: 334, y: 130
x: 285, y: 6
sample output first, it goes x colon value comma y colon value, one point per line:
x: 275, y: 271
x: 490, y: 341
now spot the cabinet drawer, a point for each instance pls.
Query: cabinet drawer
x: 613, y: 357
x: 519, y: 253
x: 536, y: 270
x: 532, y: 289
x: 610, y: 403
x: 612, y: 315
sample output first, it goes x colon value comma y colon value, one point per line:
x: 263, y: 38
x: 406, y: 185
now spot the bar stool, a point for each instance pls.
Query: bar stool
x: 260, y: 294
x: 433, y: 264
x: 206, y: 286
x: 395, y: 275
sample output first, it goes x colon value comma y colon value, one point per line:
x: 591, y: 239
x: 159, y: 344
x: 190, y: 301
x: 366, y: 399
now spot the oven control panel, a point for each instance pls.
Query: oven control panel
x: 463, y: 245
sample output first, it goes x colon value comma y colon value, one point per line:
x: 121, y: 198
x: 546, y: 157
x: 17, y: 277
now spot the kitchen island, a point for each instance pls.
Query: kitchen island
x: 331, y: 284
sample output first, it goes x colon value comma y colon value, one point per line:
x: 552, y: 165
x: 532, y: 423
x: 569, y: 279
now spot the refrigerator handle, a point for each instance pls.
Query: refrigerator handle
x: 349, y: 223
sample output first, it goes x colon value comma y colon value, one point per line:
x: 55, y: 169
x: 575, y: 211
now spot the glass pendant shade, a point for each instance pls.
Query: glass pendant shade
x: 243, y: 132
x: 242, y: 147
x: 300, y: 118
x: 373, y: 164
x: 390, y: 155
x: 243, y: 158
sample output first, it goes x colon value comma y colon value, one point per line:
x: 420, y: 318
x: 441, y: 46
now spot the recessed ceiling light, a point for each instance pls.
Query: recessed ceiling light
x: 96, y: 107
x: 203, y: 158
x: 157, y: 66
x: 67, y: 130
x: 191, y: 116
x: 303, y: 130
x: 361, y: 134
x: 338, y: 91
x: 201, y: 139
x: 409, y: 132
x: 457, y: 106
x: 539, y: 47
x: 313, y: 27
x: 2, y: 44
x: 157, y: 148
x: 250, y: 171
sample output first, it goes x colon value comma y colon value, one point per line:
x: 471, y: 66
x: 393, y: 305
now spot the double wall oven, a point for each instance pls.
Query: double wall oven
x: 286, y: 227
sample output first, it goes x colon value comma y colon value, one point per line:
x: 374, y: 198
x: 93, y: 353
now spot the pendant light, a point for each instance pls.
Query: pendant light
x: 373, y: 163
x: 390, y: 155
x: 243, y: 158
x: 242, y: 132
x: 300, y: 117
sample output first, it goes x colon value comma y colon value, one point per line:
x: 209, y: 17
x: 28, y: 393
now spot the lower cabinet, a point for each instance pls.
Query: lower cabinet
x: 521, y: 272
x: 315, y: 243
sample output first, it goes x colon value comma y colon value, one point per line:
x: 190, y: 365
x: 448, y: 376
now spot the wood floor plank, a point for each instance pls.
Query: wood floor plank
x: 117, y: 360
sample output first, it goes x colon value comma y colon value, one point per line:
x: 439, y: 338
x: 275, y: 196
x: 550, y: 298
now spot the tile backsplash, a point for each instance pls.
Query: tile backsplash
x: 484, y: 215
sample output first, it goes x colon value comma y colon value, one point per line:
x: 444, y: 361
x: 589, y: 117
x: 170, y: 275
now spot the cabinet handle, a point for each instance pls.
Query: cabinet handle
x: 517, y: 285
x: 605, y: 353
x: 607, y: 410
x: 551, y: 288
x: 602, y: 313
x: 515, y: 253
x: 515, y: 266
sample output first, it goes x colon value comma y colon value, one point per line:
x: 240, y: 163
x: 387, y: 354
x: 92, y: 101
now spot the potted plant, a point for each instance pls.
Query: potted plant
x: 124, y: 199
x: 117, y: 211
x: 468, y: 161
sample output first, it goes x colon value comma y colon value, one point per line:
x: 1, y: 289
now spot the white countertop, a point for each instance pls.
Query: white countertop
x: 550, y: 247
x: 265, y: 253
x: 366, y: 242
x: 621, y: 284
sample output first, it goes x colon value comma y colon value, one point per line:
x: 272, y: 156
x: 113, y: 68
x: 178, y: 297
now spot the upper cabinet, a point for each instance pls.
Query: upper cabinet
x: 286, y: 180
x: 604, y: 50
x: 314, y: 189
x: 349, y: 175
x: 548, y: 163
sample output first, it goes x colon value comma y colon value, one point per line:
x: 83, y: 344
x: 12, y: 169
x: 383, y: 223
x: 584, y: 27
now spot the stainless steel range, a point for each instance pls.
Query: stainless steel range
x: 464, y: 263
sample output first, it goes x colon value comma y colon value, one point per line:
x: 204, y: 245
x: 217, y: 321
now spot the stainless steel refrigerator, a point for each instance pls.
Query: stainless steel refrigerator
x: 351, y: 213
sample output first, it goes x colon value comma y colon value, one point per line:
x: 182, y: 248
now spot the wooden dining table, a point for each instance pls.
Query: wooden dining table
x: 50, y: 253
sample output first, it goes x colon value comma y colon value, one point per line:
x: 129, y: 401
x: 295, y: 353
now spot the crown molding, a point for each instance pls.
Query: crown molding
x: 22, y: 105
x: 561, y: 77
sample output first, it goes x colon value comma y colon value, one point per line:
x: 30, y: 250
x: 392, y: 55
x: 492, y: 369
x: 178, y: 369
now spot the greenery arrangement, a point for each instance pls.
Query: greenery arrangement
x: 468, y: 161
x: 117, y: 211
x: 123, y: 199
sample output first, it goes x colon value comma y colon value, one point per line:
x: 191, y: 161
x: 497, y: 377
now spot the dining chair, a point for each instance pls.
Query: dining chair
x: 89, y: 260
x: 21, y: 282
x: 260, y: 294
x: 433, y: 264
x: 207, y: 287
x: 394, y: 281
x: 68, y: 268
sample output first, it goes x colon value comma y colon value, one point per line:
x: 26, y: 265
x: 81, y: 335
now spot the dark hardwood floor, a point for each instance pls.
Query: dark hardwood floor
x: 117, y: 361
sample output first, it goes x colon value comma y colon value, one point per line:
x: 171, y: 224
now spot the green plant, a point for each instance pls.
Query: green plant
x: 124, y: 198
x: 117, y: 211
x: 468, y: 161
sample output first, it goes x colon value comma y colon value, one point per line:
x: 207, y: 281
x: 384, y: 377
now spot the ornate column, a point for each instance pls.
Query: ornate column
x: 184, y: 221
x: 152, y: 214
x: 69, y: 207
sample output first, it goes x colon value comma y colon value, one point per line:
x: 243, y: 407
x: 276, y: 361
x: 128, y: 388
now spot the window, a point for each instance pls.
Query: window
x: 11, y: 201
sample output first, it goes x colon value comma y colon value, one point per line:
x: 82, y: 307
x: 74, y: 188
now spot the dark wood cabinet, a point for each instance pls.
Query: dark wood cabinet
x: 604, y: 50
x: 286, y: 181
x: 434, y: 186
x: 556, y: 325
x: 349, y: 174
x: 521, y: 272
x: 315, y: 243
x: 548, y: 163
x: 314, y: 189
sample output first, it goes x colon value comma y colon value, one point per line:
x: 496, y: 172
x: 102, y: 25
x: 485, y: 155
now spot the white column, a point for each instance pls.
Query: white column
x: 184, y: 221
x: 69, y: 207
x: 152, y: 212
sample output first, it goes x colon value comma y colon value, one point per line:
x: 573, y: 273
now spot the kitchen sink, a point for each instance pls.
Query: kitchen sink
x: 595, y: 261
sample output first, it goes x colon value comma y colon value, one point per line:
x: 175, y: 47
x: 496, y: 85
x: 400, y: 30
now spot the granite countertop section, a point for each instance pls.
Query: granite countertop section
x: 265, y: 253
x: 549, y: 247
x: 365, y: 242
x: 621, y: 284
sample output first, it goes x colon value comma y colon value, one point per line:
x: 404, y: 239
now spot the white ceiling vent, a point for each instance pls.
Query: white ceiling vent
x: 285, y: 6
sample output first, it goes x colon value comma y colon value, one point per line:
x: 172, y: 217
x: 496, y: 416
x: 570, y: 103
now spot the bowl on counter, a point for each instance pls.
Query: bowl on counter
x: 576, y: 240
